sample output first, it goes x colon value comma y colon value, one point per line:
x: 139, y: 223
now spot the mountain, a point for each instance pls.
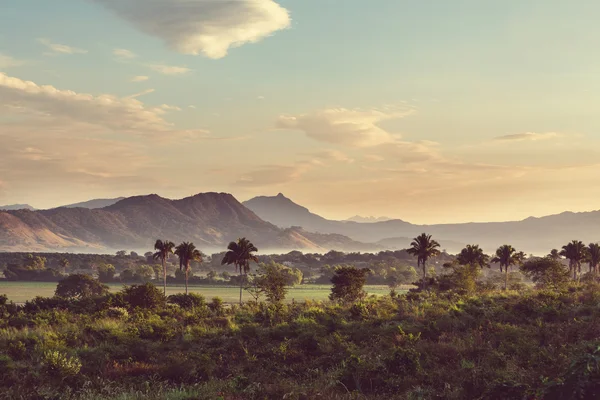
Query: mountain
x: 12, y: 207
x: 358, y: 218
x: 210, y: 220
x: 95, y: 203
x: 532, y: 235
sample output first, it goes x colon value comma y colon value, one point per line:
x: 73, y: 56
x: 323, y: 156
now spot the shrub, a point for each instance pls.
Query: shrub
x: 3, y: 299
x: 216, y: 306
x: 80, y: 286
x: 60, y: 364
x: 143, y: 296
x: 187, y: 301
x: 117, y: 313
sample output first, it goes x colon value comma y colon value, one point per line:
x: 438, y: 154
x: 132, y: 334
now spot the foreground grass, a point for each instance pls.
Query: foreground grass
x: 494, y: 345
x: 20, y: 292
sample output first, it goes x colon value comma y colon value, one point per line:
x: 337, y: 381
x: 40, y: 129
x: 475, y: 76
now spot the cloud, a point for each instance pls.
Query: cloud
x: 140, y: 78
x: 142, y: 93
x: 48, y: 105
x: 260, y: 98
x: 531, y: 136
x: 210, y: 27
x: 9, y: 62
x: 167, y: 107
x: 274, y: 174
x: 60, y: 48
x: 356, y: 128
x: 169, y: 69
x: 124, y: 54
x: 333, y: 155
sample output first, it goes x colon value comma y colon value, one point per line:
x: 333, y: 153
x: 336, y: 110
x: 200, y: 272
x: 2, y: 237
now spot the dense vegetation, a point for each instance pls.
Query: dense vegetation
x: 454, y: 336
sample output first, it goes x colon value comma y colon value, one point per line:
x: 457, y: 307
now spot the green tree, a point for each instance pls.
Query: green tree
x: 593, y: 257
x: 554, y: 254
x: 273, y: 279
x: 507, y: 256
x: 211, y: 275
x: 163, y: 248
x: 546, y: 272
x: 80, y: 286
x: 348, y: 283
x: 473, y: 255
x: 187, y: 253
x: 576, y: 253
x: 64, y: 264
x: 35, y: 262
x: 240, y: 254
x: 106, y: 272
x: 423, y: 247
x: 144, y: 273
x: 143, y: 296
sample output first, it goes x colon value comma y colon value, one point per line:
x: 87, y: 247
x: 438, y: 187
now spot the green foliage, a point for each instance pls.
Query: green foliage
x: 423, y: 247
x: 273, y: 280
x: 143, y: 296
x: 106, y: 272
x: 348, y: 284
x: 546, y: 272
x: 61, y: 365
x: 187, y: 301
x: 80, y: 285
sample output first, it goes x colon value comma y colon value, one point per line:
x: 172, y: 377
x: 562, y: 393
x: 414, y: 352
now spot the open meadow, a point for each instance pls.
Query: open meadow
x: 20, y: 292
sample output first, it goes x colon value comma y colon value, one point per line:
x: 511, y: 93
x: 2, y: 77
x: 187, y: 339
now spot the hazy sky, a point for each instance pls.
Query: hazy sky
x: 430, y: 110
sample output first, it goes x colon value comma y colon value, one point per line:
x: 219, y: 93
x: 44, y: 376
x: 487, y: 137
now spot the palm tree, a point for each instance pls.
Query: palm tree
x: 240, y: 254
x: 593, y: 253
x: 423, y: 247
x: 507, y: 256
x: 187, y: 253
x: 473, y: 255
x: 575, y: 252
x: 163, y: 249
x: 554, y: 254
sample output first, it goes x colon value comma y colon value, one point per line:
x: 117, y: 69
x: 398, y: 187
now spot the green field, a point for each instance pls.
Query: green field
x: 20, y: 292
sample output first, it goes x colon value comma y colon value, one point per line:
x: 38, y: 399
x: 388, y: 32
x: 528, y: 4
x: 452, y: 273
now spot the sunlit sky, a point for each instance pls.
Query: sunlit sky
x: 431, y: 111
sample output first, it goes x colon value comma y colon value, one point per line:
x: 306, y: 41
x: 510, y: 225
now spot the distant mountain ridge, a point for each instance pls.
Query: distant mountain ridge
x: 12, y: 207
x: 95, y: 203
x: 532, y: 235
x: 210, y: 220
x: 358, y: 218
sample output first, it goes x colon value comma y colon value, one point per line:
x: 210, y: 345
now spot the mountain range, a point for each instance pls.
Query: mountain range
x: 532, y: 235
x: 91, y: 204
x: 273, y: 223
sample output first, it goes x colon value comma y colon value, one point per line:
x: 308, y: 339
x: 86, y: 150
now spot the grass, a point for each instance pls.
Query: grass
x: 19, y: 292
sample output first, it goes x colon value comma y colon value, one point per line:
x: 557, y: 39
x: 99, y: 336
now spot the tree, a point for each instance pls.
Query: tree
x: 163, y: 249
x: 575, y: 252
x: 144, y: 273
x: 348, y: 283
x: 507, y: 256
x: 64, y: 263
x: 35, y: 262
x: 121, y: 253
x: 211, y: 275
x: 143, y: 296
x: 423, y: 247
x: 106, y: 272
x: 273, y: 279
x: 554, y: 254
x: 225, y: 275
x: 593, y: 257
x: 187, y: 253
x: 473, y: 255
x: 80, y: 286
x: 240, y: 254
x: 546, y: 272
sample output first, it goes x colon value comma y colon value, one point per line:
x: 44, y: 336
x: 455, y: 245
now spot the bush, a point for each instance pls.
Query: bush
x: 216, y: 306
x: 143, y: 296
x: 117, y: 313
x: 60, y: 364
x: 80, y: 286
x: 187, y: 301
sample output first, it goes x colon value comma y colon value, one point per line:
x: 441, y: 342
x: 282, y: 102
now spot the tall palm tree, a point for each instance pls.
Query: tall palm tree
x: 163, y: 249
x: 507, y: 256
x: 593, y: 253
x: 187, y: 253
x: 554, y: 254
x: 473, y: 255
x: 240, y: 254
x: 575, y: 252
x: 423, y: 247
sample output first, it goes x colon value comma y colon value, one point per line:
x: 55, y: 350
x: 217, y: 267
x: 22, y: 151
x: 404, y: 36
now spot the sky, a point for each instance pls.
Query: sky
x: 430, y: 111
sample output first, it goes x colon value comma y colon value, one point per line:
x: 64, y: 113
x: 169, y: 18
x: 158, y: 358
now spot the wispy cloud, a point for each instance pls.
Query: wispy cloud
x: 201, y: 26
x: 140, y: 78
x: 124, y: 54
x: 169, y: 69
x: 350, y: 127
x: 57, y: 48
x: 9, y: 62
x: 532, y: 136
